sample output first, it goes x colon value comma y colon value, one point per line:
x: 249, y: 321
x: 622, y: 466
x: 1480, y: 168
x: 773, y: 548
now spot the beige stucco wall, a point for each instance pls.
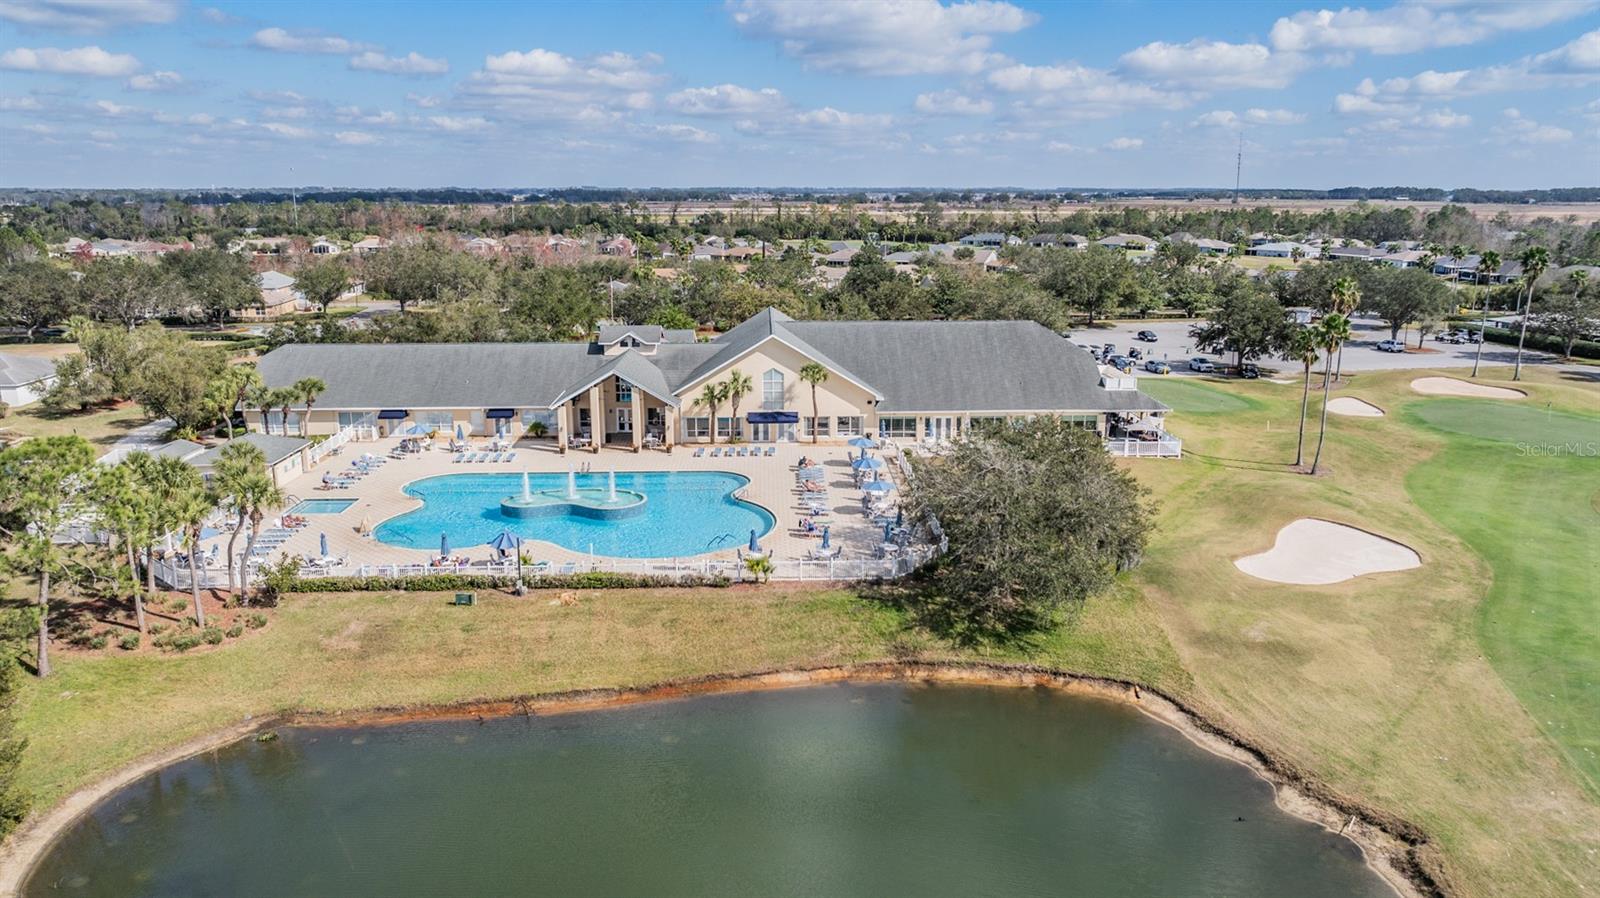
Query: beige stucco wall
x: 836, y: 397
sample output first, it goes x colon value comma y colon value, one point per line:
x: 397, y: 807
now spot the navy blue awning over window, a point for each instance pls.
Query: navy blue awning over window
x: 501, y: 413
x: 774, y: 417
x: 393, y: 414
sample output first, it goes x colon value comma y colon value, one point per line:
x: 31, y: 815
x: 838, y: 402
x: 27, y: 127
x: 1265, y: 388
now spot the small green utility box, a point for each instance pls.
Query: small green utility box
x: 466, y: 598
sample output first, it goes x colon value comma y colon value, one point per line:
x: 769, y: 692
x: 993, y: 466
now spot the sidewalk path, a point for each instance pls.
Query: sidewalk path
x: 146, y: 437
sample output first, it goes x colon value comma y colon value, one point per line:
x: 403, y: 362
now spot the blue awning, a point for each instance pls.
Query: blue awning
x: 774, y: 417
x: 393, y: 414
x: 501, y: 413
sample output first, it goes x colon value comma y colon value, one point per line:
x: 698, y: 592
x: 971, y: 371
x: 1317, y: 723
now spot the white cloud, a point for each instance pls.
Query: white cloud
x: 281, y: 129
x: 950, y: 102
x: 156, y: 81
x: 1212, y: 65
x: 423, y: 100
x: 726, y: 99
x: 1414, y: 25
x: 18, y: 103
x: 545, y: 86
x: 458, y: 123
x: 1445, y: 118
x: 1057, y: 146
x: 283, y: 41
x: 1080, y: 92
x: 1366, y: 101
x: 1257, y: 116
x: 1125, y: 143
x: 831, y: 118
x: 685, y: 133
x: 103, y: 135
x: 1218, y: 118
x: 88, y: 15
x: 410, y: 64
x: 1519, y: 129
x: 39, y: 129
x: 547, y: 67
x: 290, y: 112
x: 116, y: 110
x: 1574, y: 64
x: 868, y: 37
x: 355, y: 138
x: 91, y: 61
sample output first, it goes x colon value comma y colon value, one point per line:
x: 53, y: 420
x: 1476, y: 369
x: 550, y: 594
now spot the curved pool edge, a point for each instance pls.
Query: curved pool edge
x: 422, y: 503
x: 1396, y: 850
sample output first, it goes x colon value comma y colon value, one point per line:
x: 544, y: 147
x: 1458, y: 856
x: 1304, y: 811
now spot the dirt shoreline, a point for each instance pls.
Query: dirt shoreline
x: 1396, y: 850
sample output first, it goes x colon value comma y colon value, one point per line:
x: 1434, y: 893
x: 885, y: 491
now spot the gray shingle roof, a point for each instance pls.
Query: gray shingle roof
x: 179, y: 449
x: 273, y: 280
x: 21, y: 370
x: 769, y: 322
x: 644, y: 333
x: 432, y: 375
x: 275, y: 448
x: 629, y: 365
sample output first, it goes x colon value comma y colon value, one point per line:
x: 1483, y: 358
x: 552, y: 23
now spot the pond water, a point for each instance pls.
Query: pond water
x: 869, y: 790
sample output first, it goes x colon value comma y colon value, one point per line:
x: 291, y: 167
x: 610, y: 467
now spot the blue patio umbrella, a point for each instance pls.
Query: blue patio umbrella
x: 208, y: 532
x: 505, y: 541
x: 459, y: 434
x: 867, y: 464
x: 825, y: 543
x: 323, y: 539
x: 877, y: 486
x: 886, y: 528
x: 864, y: 443
x: 754, y: 546
x: 444, y: 545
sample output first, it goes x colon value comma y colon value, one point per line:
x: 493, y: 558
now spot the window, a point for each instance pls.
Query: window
x: 624, y: 391
x: 772, y: 388
x: 357, y: 419
x: 897, y: 427
x: 435, y: 421
x: 724, y: 427
x: 546, y: 416
x: 696, y: 428
x: 847, y: 425
x: 816, y: 427
x: 275, y: 422
x: 1086, y: 422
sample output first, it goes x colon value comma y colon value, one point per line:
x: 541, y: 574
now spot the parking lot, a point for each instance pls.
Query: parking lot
x: 1175, y: 346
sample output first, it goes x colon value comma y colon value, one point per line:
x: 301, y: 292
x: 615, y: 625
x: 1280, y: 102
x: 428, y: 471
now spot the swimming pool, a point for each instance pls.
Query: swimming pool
x: 685, y: 513
x: 321, y: 506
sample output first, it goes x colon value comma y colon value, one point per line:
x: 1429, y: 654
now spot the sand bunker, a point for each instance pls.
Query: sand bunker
x: 1355, y: 408
x: 1309, y: 552
x: 1449, y: 386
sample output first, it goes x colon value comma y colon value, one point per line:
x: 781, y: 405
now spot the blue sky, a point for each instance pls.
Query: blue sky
x: 164, y: 93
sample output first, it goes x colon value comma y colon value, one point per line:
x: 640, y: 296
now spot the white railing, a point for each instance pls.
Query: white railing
x: 1167, y: 447
x: 319, y: 451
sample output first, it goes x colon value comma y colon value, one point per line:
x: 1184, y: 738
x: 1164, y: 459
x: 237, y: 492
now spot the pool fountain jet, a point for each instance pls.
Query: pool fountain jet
x: 589, y: 502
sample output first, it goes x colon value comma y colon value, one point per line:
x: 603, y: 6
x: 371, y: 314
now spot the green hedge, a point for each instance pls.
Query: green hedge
x: 1582, y: 349
x: 452, y: 582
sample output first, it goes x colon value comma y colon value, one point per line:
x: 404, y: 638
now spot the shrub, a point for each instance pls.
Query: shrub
x: 212, y: 635
x: 452, y: 582
x: 235, y: 631
x: 256, y: 621
x: 178, y: 605
x: 100, y: 640
x: 129, y: 642
x: 158, y: 629
x: 184, y: 642
x: 5, y: 409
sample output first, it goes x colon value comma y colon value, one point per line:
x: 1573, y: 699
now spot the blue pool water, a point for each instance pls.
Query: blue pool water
x: 321, y: 506
x: 686, y: 513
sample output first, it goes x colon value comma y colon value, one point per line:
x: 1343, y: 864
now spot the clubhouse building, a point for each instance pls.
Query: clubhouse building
x: 641, y: 386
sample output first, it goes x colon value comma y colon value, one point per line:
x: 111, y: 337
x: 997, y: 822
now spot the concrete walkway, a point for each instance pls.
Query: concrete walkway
x: 145, y: 437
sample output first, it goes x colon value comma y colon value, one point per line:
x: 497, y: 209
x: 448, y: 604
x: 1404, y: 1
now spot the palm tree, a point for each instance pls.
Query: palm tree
x: 307, y: 389
x: 815, y: 375
x: 232, y: 479
x: 194, y: 503
x: 284, y: 397
x: 1534, y: 259
x: 1491, y: 261
x: 1331, y: 332
x: 121, y: 509
x: 1344, y: 299
x: 1459, y: 251
x: 255, y: 494
x: 712, y: 397
x: 246, y: 381
x: 738, y: 386
x: 1303, y: 348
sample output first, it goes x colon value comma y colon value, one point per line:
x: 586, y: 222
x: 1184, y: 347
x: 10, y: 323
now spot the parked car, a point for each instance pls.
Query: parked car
x: 1120, y: 362
x: 1391, y: 346
x: 1156, y: 366
x: 1145, y: 336
x: 1199, y: 363
x: 1472, y: 336
x: 1249, y: 371
x: 1135, y: 353
x: 1109, y: 349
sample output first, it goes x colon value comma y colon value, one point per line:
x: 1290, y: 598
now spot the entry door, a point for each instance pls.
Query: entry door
x: 624, y: 420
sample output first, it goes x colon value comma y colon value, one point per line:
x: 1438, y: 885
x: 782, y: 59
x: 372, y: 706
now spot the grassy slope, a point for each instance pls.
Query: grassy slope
x: 1380, y: 684
x: 1538, y: 622
x: 102, y: 427
x: 350, y: 651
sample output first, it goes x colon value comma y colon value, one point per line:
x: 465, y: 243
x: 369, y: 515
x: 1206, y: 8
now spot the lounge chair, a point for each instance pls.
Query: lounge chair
x: 771, y: 451
x: 460, y: 457
x: 699, y: 451
x: 510, y: 457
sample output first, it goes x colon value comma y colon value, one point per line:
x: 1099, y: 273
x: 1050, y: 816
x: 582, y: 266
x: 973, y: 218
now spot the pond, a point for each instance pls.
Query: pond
x: 866, y: 789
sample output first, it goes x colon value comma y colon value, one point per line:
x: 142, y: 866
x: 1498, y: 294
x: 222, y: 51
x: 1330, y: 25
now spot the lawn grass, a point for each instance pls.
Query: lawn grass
x: 102, y: 427
x: 1194, y: 398
x: 1380, y: 686
x: 1512, y: 484
x: 348, y: 651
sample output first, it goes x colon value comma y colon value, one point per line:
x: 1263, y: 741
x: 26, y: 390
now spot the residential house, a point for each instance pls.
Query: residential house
x: 370, y: 244
x: 618, y: 246
x: 840, y: 258
x: 1284, y: 249
x: 482, y: 246
x: 1403, y: 258
x: 322, y: 246
x: 1132, y: 242
x: 902, y: 380
x: 1353, y: 253
x: 278, y: 297
x: 1466, y: 268
x: 1070, y: 241
x: 24, y: 379
x: 1205, y: 245
x: 990, y: 239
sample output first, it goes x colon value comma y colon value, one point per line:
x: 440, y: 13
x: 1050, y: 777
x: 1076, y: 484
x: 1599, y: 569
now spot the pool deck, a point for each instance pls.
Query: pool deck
x: 379, y: 497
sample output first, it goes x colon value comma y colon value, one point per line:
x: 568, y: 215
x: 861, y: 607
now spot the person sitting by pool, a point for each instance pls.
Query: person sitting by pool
x: 293, y: 521
x: 806, y: 462
x: 808, y: 527
x: 813, y: 486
